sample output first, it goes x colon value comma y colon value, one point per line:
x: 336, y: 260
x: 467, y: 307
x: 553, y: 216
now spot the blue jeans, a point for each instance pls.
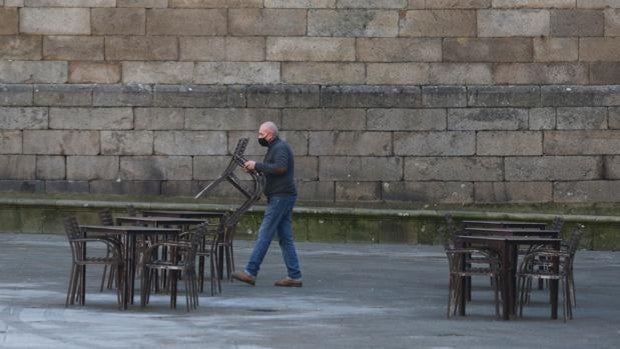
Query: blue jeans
x: 278, y: 219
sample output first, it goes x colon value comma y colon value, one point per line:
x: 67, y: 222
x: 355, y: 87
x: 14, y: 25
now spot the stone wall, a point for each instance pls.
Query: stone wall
x: 425, y: 101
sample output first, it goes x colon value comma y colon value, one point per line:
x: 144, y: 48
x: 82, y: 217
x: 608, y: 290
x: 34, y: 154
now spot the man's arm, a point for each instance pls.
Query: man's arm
x: 278, y: 167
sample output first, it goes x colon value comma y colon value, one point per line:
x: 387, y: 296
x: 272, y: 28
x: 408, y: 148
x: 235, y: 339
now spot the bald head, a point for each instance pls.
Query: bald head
x: 268, y: 130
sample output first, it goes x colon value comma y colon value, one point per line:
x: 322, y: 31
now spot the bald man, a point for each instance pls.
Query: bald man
x: 279, y: 170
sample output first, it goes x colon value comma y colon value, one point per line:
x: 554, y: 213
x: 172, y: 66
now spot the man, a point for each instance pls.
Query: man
x: 279, y: 170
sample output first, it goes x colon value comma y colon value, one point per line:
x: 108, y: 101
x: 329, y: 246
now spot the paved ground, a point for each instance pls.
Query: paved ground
x: 354, y: 296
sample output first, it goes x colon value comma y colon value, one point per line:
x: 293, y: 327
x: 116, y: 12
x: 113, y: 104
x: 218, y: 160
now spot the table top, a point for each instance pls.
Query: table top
x: 128, y: 229
x: 513, y: 231
x: 519, y: 239
x: 183, y: 214
x: 160, y: 220
x: 507, y: 223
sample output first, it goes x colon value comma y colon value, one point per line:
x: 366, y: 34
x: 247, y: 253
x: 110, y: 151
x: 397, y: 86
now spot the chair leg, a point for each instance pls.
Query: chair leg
x: 70, y: 291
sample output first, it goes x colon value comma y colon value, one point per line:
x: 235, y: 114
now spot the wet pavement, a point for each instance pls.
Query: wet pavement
x: 354, y: 296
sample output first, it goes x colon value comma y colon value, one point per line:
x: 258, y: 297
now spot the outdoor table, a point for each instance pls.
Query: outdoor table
x: 183, y: 214
x: 507, y: 248
x: 512, y: 232
x: 505, y: 224
x: 160, y: 221
x: 129, y: 234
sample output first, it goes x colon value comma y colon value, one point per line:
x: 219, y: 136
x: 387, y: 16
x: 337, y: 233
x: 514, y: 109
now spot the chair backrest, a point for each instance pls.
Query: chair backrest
x: 72, y: 229
x: 448, y: 231
x: 557, y: 223
x: 573, y: 243
x: 131, y: 211
x: 105, y: 217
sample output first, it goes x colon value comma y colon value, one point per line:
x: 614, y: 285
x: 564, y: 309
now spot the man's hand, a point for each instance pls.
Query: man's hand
x: 249, y: 165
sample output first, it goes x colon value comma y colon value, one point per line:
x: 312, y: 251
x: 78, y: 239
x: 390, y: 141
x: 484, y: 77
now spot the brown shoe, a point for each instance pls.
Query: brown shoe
x: 288, y: 282
x: 244, y: 277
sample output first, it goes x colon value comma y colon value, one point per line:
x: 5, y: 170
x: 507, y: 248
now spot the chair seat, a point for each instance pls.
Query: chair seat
x: 100, y: 260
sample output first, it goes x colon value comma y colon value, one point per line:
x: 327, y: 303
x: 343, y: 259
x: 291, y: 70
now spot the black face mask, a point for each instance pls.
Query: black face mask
x: 263, y: 142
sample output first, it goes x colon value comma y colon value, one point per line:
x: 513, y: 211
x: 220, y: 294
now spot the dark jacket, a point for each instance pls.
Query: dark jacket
x: 279, y: 169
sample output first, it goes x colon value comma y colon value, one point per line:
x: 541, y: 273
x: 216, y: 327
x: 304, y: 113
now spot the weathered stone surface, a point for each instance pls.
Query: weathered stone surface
x: 300, y: 3
x: 29, y: 186
x: 487, y: 50
x: 190, y: 143
x: 122, y: 95
x: 580, y: 96
x: 358, y: 191
x: 500, y: 23
x: 612, y: 167
x: 547, y: 49
x: 63, y: 95
x: 91, y: 118
x: 156, y: 168
x: 69, y: 3
x: 487, y: 119
x: 157, y: 72
x: 17, y: 166
x: 15, y: 95
x: 444, y: 96
x: 298, y: 140
x: 599, y: 49
x: 444, y: 4
x: 186, y: 22
x: 126, y: 142
x: 350, y: 143
x: 513, y: 192
x: 605, y: 73
x: 434, y: 143
x: 323, y: 119
x: 398, y: 73
x: 142, y: 3
x: 230, y: 48
x: 398, y: 49
x: 8, y: 21
x: 310, y: 49
x: 417, y: 4
x: 198, y: 96
x: 85, y: 48
x: 159, y: 118
x: 10, y: 142
x: 508, y: 143
x: 586, y: 192
x: 307, y: 168
x: 573, y: 23
x: 460, y: 73
x: 229, y: 119
x: 598, y: 3
x: 315, y: 191
x: 553, y: 168
x: 583, y: 118
x: 52, y: 142
x: 366, y: 23
x: 406, y: 119
x: 118, y: 21
x: 26, y: 47
x: 533, y: 3
x: 134, y: 188
x: 283, y: 96
x: 429, y: 192
x: 141, y: 48
x: 590, y: 142
x: 23, y: 118
x: 62, y: 21
x: 612, y: 22
x: 215, y: 3
x: 92, y: 167
x: 539, y: 73
x: 542, y: 118
x: 209, y: 167
x: 396, y: 4
x: 50, y: 167
x: 19, y: 72
x: 14, y: 3
x: 438, y: 23
x: 93, y: 72
x: 453, y: 168
x: 614, y: 118
x: 342, y: 168
x: 272, y: 22
x: 323, y: 73
x: 237, y: 73
x: 503, y: 96
x: 371, y: 96
x: 60, y: 186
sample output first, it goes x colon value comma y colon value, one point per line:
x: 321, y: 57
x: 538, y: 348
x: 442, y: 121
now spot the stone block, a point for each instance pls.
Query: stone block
x: 142, y: 3
x: 612, y: 167
x: 612, y: 22
x: 28, y: 186
x: 70, y: 3
x: 209, y: 167
x: 323, y: 119
x: 122, y: 95
x: 599, y: 49
x: 179, y: 188
x: 50, y: 167
x: 553, y: 168
x: 503, y: 96
x: 541, y: 73
x: 384, y: 4
x: 435, y: 143
x: 94, y: 72
x: 283, y: 96
x: 199, y: 96
x: 19, y: 72
x: 395, y: 119
x: 598, y: 3
x: 9, y: 20
x: 542, y: 118
x: 586, y: 191
x: 307, y: 168
x: 417, y: 4
x: 548, y: 49
x: 605, y: 73
x: 83, y: 48
x: 350, y: 143
x: 50, y: 20
x: 582, y: 118
x: 53, y: 142
x: 323, y: 73
x: 159, y: 118
x: 268, y: 22
x: 217, y: 48
x: 502, y: 23
x: 342, y: 168
x: 63, y: 95
x: 479, y: 169
x: 141, y: 48
x: 310, y: 49
x: 134, y: 188
x: 533, y: 3
x: 10, y: 142
x: 353, y: 23
x: 91, y: 118
x: 398, y: 49
x: 186, y: 22
x: 157, y: 72
x: 17, y: 166
x: 322, y: 191
x: 580, y: 96
x: 16, y: 95
x: 438, y: 23
x: 300, y: 3
x: 127, y: 142
x: 513, y: 192
x: 118, y: 21
x: 59, y: 186
x: 588, y: 142
x: 236, y: 73
x: 215, y: 3
x: 398, y: 73
x: 87, y: 168
x: 487, y: 50
x: 156, y: 168
x: 190, y: 143
x: 460, y: 73
x: 14, y: 3
x: 358, y: 191
x: 18, y: 47
x: 509, y: 143
x: 23, y: 118
x: 572, y: 23
x: 487, y: 119
x: 225, y: 119
x: 446, y: 4
x: 371, y: 97
x: 444, y: 96
x: 429, y: 192
x: 614, y: 118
